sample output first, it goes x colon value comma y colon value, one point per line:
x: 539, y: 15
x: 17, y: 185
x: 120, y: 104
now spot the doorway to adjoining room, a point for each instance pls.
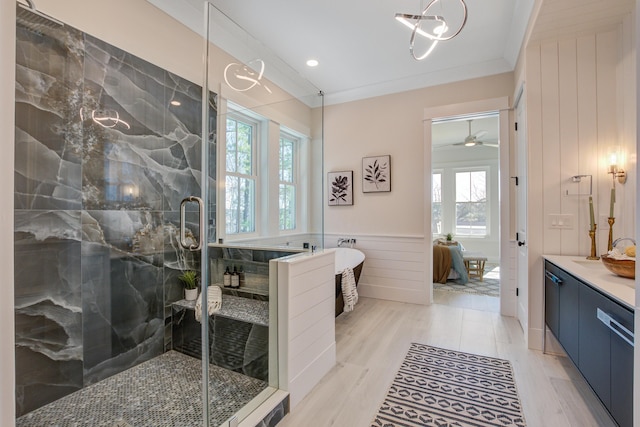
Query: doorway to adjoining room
x: 465, y: 215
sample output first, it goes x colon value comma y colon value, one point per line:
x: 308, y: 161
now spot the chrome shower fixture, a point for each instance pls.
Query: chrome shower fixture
x: 29, y: 17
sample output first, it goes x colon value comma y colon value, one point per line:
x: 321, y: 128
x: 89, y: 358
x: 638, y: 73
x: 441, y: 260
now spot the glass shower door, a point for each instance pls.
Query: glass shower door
x: 262, y: 185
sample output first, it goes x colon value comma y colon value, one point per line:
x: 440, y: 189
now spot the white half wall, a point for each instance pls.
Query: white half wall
x: 306, y: 321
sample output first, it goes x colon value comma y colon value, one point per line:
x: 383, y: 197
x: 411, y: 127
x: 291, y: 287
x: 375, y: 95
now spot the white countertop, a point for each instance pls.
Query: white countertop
x: 596, y: 274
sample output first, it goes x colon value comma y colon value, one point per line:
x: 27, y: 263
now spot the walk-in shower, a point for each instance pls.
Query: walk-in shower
x: 108, y: 145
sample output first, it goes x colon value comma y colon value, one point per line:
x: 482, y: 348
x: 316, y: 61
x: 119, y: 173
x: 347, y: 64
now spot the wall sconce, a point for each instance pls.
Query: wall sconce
x: 615, y: 169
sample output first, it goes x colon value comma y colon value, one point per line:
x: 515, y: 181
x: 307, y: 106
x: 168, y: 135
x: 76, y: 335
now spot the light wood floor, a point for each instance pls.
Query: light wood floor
x: 373, y: 340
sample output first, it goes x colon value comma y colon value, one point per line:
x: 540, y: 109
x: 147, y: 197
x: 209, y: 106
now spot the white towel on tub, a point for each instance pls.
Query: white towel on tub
x: 349, y: 290
x: 214, y: 302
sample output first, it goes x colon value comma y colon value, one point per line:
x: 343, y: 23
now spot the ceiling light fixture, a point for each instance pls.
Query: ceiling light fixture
x: 434, y: 27
x: 312, y: 63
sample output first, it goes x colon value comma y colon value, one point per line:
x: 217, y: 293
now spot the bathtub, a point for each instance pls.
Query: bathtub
x: 346, y: 257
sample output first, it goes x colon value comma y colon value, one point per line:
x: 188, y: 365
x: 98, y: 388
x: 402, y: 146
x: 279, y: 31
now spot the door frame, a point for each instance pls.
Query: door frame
x: 501, y: 105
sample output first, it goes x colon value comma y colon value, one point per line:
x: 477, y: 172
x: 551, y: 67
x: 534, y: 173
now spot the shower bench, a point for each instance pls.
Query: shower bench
x: 238, y: 334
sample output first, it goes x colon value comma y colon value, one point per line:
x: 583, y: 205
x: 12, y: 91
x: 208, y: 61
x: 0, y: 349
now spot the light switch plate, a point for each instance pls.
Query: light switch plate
x: 561, y: 221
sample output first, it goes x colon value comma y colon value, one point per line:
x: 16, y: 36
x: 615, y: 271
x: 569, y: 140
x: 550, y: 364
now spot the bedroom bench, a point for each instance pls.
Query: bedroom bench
x: 474, y: 263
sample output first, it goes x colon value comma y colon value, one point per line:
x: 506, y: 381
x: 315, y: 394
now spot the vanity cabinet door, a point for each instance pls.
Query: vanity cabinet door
x: 621, y: 366
x: 595, y: 343
x: 562, y: 297
x: 569, y: 316
x: 551, y: 298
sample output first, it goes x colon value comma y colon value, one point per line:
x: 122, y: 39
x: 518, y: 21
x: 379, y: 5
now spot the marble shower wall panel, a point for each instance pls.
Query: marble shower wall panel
x: 145, y: 151
x: 48, y: 307
x: 122, y: 290
x: 103, y: 159
x: 49, y: 84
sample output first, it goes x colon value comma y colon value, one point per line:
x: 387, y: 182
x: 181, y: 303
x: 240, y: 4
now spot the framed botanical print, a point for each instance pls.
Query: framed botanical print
x: 376, y: 174
x: 340, y: 186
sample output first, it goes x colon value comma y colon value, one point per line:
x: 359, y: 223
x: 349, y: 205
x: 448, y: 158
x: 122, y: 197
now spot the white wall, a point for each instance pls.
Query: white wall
x: 7, y: 125
x: 393, y: 124
x: 580, y: 101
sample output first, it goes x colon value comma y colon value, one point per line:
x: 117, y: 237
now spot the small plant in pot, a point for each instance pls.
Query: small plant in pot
x: 449, y: 237
x: 190, y: 280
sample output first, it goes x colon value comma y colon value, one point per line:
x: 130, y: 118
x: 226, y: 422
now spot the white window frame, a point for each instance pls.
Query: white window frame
x: 468, y: 169
x: 295, y: 182
x: 234, y: 114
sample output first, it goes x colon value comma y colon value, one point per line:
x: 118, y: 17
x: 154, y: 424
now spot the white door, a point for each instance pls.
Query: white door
x: 522, y: 259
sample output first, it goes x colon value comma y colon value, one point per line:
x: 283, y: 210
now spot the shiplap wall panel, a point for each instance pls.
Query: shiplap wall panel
x: 607, y: 52
x: 550, y: 140
x: 575, y: 100
x: 312, y: 316
x: 569, y: 146
x: 310, y: 280
x: 587, y: 132
x: 306, y: 321
x: 394, y: 267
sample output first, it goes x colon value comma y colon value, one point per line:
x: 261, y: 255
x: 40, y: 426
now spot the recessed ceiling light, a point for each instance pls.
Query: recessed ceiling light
x: 312, y: 63
x: 175, y: 103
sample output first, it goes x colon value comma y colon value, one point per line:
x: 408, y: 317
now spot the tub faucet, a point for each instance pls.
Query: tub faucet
x: 342, y: 242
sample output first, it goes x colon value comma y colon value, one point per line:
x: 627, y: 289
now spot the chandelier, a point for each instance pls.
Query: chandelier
x: 432, y: 24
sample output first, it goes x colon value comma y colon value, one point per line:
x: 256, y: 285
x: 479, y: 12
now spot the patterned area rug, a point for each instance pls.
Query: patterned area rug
x: 489, y: 286
x: 436, y: 387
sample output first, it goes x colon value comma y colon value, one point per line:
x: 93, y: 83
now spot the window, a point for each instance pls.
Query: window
x: 240, y: 179
x: 436, y: 203
x: 471, y: 203
x: 287, y: 183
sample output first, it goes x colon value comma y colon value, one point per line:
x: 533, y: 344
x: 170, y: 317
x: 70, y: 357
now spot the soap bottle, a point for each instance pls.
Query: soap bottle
x: 241, y: 276
x: 235, y: 278
x: 226, y: 278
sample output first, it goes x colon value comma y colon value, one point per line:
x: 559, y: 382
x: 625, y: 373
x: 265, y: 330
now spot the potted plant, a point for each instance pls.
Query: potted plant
x: 449, y: 237
x: 190, y: 280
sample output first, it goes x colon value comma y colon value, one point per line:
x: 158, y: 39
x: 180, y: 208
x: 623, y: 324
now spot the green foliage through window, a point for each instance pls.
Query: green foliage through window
x: 240, y: 179
x: 287, y: 193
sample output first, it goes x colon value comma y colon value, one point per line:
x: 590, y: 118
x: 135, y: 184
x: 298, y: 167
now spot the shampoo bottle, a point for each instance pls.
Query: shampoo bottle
x: 235, y: 278
x: 226, y: 278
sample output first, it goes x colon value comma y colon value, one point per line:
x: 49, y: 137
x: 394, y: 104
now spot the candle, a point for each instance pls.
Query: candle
x: 613, y: 200
x: 591, y: 213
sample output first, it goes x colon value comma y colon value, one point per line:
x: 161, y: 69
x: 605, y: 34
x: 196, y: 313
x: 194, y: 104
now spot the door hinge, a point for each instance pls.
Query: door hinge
x: 516, y: 126
x: 517, y: 292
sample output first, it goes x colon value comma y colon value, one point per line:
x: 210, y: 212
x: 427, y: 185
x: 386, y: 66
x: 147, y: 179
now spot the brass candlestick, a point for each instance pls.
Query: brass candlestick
x: 610, y: 220
x: 592, y: 234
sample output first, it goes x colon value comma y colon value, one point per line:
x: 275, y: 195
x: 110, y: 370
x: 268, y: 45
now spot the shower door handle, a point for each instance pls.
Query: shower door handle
x: 183, y: 237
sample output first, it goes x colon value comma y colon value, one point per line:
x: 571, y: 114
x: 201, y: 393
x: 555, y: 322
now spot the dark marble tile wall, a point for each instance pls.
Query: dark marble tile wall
x: 103, y: 160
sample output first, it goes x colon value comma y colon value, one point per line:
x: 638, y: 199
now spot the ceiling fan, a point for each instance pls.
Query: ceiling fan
x: 474, y: 139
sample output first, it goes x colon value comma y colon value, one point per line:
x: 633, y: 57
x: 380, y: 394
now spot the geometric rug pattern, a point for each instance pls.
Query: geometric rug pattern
x: 490, y: 285
x: 436, y: 387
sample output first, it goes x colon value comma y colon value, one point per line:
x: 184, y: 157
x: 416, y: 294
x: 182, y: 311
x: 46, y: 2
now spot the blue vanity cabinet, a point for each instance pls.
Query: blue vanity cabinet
x: 597, y: 333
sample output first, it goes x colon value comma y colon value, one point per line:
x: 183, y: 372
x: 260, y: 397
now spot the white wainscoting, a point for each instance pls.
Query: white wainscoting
x: 306, y: 321
x: 394, y: 267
